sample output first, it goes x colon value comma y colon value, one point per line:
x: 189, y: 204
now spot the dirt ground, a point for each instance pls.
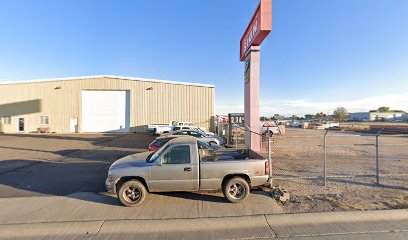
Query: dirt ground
x: 298, y: 166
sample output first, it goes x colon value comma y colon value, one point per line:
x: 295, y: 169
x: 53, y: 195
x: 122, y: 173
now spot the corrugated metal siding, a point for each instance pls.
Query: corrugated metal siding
x: 164, y: 103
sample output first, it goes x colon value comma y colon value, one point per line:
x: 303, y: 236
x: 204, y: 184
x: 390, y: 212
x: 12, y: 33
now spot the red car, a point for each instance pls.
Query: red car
x: 159, y: 142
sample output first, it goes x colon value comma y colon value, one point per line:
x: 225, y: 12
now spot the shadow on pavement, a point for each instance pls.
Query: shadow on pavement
x: 368, y: 184
x: 123, y: 140
x: 194, y: 196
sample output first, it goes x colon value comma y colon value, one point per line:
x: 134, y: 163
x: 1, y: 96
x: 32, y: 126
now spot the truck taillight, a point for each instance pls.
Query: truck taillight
x: 266, y: 168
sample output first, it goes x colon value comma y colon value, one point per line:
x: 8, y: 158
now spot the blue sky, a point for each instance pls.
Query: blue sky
x: 320, y: 55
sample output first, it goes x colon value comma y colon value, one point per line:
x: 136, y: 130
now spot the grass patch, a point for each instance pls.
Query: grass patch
x: 400, y: 206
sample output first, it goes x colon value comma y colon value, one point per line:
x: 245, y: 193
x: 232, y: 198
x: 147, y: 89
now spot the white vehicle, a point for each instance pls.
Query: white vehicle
x: 158, y: 128
x: 211, y: 139
x: 204, y: 130
x: 172, y: 126
x: 272, y: 127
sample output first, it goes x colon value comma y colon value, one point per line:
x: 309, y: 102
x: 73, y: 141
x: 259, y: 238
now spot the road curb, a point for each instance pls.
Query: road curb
x: 49, y: 230
x: 199, y: 228
x: 332, y: 223
x: 244, y: 227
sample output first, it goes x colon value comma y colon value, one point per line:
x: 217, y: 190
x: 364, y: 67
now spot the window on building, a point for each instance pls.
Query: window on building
x: 6, y: 120
x: 44, y: 120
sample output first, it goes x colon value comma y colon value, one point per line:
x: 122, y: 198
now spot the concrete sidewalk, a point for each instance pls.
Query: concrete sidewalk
x: 386, y: 224
x: 88, y: 206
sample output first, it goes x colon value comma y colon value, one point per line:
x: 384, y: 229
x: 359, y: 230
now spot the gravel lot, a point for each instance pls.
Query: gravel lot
x: 299, y: 154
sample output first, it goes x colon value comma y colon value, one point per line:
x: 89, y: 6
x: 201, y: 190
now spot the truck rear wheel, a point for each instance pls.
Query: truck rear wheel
x: 236, y: 190
x: 132, y: 193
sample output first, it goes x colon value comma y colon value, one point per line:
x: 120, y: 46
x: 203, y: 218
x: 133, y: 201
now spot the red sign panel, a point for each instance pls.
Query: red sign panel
x: 258, y: 28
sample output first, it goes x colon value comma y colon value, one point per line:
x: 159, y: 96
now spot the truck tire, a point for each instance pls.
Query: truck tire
x: 236, y: 190
x: 132, y: 193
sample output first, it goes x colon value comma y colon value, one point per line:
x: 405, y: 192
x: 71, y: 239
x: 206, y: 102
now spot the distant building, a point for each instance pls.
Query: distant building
x: 377, y: 116
x: 359, y: 116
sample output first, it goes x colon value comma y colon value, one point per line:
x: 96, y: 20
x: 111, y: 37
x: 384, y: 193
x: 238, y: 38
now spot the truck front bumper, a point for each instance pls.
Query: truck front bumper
x: 110, y: 185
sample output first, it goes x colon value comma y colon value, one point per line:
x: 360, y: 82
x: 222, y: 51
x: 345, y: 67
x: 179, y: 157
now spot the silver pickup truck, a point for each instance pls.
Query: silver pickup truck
x: 180, y: 165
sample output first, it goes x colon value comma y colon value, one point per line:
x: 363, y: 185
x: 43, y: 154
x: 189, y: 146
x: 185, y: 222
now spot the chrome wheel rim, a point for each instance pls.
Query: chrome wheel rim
x: 132, y: 194
x: 237, y: 190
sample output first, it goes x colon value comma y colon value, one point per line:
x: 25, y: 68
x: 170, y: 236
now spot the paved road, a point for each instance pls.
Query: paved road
x: 386, y: 224
x: 41, y: 165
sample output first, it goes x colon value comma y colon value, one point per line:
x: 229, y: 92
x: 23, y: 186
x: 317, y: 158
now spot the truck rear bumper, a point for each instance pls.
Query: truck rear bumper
x: 259, y: 180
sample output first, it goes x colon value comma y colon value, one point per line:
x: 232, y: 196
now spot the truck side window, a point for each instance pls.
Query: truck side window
x: 177, y: 155
x: 176, y: 128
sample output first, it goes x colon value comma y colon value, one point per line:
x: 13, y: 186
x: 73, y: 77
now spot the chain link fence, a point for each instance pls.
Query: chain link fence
x: 332, y: 155
x: 317, y: 156
x: 233, y: 134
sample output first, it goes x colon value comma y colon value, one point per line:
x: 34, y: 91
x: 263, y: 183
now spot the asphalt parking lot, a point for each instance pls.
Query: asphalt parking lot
x: 64, y: 176
x: 53, y: 164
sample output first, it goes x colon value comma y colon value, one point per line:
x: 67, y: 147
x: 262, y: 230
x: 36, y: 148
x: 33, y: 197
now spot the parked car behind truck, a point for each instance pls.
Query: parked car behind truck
x: 160, y: 141
x: 173, y: 126
x: 211, y: 139
x: 178, y: 166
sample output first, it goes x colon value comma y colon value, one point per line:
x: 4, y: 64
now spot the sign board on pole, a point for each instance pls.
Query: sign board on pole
x: 236, y: 118
x: 258, y: 28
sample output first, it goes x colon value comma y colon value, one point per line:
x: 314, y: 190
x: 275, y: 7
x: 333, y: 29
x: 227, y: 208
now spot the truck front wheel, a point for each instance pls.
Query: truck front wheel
x: 132, y: 193
x: 236, y: 190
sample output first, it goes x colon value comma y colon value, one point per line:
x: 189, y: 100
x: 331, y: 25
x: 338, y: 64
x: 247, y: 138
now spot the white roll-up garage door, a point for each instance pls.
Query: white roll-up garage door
x: 105, y: 111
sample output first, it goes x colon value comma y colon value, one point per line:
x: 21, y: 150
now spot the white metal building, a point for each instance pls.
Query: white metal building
x: 102, y: 104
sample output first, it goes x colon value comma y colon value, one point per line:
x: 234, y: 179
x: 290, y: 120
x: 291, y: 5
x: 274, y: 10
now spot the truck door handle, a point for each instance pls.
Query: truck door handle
x: 187, y: 169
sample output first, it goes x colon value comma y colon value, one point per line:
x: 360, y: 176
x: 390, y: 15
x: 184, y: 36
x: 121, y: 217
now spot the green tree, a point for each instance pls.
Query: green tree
x: 320, y: 116
x: 340, y: 113
x: 383, y: 109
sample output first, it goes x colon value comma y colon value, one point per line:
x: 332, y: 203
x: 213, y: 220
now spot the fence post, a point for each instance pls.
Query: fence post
x: 269, y: 157
x: 228, y: 134
x: 377, y: 160
x: 236, y: 139
x: 325, y: 158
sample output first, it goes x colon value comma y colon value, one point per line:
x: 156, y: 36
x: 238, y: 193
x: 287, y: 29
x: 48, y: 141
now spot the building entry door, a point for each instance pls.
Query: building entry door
x: 73, y: 124
x: 21, y: 124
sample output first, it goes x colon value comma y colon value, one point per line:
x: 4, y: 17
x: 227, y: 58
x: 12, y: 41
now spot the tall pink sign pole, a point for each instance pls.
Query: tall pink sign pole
x: 257, y: 30
x: 252, y: 84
